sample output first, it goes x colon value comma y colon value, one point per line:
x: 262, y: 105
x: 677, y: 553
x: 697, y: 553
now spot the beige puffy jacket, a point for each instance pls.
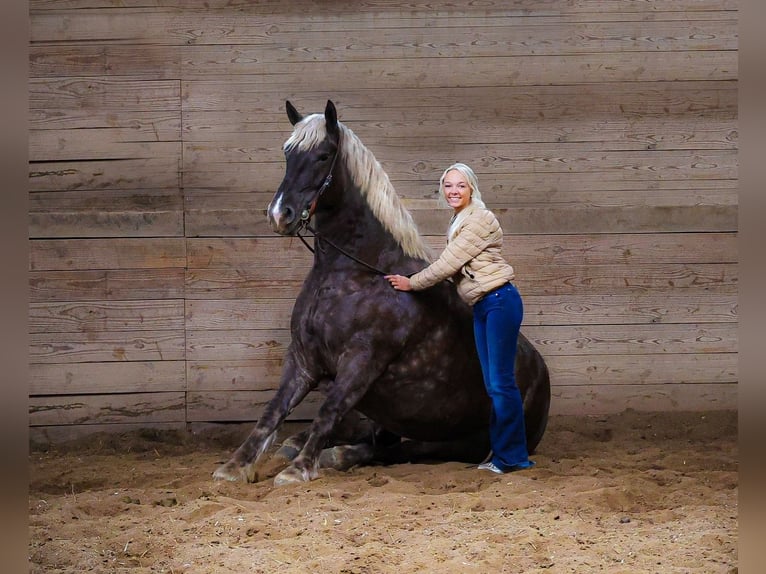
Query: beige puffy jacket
x: 472, y: 258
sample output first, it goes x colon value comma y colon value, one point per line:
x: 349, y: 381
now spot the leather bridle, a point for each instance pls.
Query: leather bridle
x: 312, y: 205
x: 308, y: 212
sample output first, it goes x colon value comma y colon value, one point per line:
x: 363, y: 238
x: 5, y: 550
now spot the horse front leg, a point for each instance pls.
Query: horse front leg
x: 292, y: 390
x: 342, y: 395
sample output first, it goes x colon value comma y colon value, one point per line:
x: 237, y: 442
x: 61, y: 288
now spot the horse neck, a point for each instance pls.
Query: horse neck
x: 352, y: 226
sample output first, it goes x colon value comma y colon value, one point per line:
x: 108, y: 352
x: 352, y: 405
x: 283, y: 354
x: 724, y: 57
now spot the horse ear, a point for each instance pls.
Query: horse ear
x: 293, y: 115
x: 331, y: 118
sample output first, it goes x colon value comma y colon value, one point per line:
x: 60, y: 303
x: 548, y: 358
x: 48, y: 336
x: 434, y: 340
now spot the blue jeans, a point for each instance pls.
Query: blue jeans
x: 496, y: 324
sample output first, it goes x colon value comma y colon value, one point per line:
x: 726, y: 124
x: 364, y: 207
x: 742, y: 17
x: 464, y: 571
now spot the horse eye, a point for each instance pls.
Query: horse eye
x: 323, y: 157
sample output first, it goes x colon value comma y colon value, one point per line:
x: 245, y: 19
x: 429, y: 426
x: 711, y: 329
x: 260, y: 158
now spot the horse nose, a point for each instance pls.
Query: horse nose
x: 280, y: 216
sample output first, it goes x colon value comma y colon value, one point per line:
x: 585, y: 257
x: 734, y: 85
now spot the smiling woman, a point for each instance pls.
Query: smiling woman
x: 474, y: 261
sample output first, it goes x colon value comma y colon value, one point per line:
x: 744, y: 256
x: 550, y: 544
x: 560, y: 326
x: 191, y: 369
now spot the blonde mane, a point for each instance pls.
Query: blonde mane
x: 371, y: 179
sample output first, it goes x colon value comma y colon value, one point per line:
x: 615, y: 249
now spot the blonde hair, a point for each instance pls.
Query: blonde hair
x: 476, y: 200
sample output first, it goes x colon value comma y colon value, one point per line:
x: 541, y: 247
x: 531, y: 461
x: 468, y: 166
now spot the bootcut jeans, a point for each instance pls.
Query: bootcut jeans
x: 496, y: 323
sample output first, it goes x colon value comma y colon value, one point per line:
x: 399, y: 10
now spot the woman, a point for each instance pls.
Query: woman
x: 473, y: 259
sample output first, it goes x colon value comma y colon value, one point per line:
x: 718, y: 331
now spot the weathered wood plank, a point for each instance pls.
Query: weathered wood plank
x: 566, y: 399
x: 118, y: 253
x: 147, y: 173
x: 608, y: 171
x: 211, y: 209
x: 233, y: 373
x: 532, y: 277
x: 113, y: 94
x: 317, y: 10
x: 250, y: 255
x: 656, y: 339
x: 241, y: 358
x: 150, y: 62
x: 95, y: 316
x: 628, y: 248
x: 100, y: 143
x: 241, y: 284
x: 610, y: 308
x: 106, y: 285
x: 289, y: 38
x: 554, y: 218
x: 243, y: 406
x: 104, y: 378
x: 208, y: 62
x: 106, y: 409
x: 254, y: 101
x: 127, y: 125
x: 104, y: 346
x: 618, y: 308
x: 612, y: 133
x: 604, y: 279
x: 267, y: 345
x: 605, y: 399
x: 499, y: 159
x: 204, y: 314
x: 106, y: 213
x: 263, y: 179
x: 594, y: 370
x: 591, y: 372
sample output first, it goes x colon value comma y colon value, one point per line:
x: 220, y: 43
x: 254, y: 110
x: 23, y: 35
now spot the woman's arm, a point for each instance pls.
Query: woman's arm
x: 469, y: 241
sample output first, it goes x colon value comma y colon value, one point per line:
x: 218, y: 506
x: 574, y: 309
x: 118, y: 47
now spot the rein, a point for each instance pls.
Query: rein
x: 336, y: 247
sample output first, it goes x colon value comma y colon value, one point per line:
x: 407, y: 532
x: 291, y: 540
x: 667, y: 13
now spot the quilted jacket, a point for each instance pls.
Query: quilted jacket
x: 471, y: 258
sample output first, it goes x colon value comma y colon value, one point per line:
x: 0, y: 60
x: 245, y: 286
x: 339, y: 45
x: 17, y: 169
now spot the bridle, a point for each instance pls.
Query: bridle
x: 308, y: 212
x: 312, y: 205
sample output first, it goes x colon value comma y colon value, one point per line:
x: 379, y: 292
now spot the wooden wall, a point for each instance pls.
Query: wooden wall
x: 604, y: 134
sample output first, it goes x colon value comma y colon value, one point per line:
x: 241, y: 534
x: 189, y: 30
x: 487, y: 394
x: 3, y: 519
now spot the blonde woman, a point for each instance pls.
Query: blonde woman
x: 473, y: 259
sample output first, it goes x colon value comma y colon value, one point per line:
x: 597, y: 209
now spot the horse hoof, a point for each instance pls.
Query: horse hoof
x: 291, y: 475
x: 234, y: 472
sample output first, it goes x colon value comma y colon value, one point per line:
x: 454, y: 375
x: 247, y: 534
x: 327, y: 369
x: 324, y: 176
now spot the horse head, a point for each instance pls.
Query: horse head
x: 311, y: 153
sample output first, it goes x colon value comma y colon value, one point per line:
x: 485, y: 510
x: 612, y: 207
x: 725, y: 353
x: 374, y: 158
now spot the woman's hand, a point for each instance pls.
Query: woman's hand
x: 399, y: 282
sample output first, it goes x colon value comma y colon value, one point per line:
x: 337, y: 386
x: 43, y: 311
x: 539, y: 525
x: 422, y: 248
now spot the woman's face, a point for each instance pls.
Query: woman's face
x: 457, y: 192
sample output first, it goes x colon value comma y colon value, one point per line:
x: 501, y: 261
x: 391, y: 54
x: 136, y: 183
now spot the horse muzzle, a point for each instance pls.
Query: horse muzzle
x: 283, y: 223
x: 286, y: 219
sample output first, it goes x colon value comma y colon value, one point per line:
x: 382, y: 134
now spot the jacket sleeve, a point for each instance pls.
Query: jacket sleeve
x: 471, y: 239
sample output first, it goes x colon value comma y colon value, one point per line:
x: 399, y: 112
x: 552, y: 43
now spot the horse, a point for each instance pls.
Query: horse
x: 399, y: 371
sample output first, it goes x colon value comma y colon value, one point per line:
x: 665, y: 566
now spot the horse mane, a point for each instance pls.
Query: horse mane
x: 372, y: 180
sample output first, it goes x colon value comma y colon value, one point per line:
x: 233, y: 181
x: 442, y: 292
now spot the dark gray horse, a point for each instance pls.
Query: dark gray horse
x: 406, y: 361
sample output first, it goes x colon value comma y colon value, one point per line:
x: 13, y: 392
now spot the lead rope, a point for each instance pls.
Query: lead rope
x: 317, y: 237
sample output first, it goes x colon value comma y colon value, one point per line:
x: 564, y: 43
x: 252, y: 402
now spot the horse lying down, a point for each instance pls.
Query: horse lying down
x: 405, y: 361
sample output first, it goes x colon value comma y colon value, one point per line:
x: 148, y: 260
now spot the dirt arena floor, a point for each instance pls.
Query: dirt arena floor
x: 625, y: 493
